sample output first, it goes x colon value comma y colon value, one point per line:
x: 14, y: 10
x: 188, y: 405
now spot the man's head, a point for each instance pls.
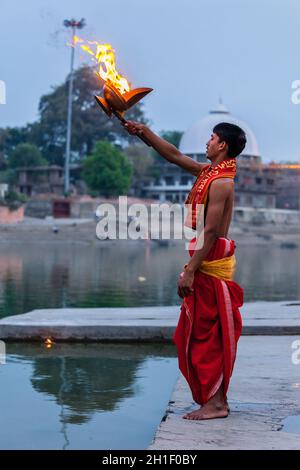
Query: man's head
x: 227, y: 139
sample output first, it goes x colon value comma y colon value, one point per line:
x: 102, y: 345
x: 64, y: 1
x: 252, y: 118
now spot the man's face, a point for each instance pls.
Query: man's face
x: 214, y: 147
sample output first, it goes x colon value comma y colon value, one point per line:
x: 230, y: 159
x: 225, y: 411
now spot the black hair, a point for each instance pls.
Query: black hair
x: 234, y: 137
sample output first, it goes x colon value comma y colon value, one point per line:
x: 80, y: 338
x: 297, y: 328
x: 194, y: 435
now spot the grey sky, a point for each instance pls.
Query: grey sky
x: 189, y: 51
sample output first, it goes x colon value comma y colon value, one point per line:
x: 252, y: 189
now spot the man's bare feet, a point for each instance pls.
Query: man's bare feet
x: 216, y: 407
x: 208, y: 411
x: 226, y: 403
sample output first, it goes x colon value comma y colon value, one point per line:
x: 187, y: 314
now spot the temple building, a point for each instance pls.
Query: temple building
x: 254, y: 188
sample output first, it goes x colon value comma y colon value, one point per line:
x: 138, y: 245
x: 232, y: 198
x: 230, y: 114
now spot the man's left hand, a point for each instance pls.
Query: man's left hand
x: 185, y: 284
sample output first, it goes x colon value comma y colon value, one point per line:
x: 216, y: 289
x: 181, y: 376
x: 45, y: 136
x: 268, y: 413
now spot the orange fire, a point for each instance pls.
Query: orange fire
x: 104, y: 56
x: 48, y: 343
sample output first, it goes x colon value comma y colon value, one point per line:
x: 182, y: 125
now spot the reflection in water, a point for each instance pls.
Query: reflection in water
x: 86, y: 384
x: 11, y: 267
x: 63, y: 389
x: 107, y: 274
x: 269, y: 273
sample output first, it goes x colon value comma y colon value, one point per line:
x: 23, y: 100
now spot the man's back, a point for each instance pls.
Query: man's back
x: 221, y: 192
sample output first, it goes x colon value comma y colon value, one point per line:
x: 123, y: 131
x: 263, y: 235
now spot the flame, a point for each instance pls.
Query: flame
x: 48, y: 343
x: 104, y: 56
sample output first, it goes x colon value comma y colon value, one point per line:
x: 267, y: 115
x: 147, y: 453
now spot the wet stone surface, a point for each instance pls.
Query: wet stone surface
x: 264, y: 402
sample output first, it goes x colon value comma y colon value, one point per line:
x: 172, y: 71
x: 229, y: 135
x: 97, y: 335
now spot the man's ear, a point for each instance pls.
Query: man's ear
x: 222, y: 145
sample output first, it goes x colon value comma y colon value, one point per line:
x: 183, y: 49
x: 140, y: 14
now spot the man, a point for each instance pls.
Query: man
x: 210, y: 323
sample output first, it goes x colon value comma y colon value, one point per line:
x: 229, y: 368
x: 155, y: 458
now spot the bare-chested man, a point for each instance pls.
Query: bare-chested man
x: 210, y: 323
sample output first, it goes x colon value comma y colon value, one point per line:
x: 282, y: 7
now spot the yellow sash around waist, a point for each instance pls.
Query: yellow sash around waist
x: 223, y: 268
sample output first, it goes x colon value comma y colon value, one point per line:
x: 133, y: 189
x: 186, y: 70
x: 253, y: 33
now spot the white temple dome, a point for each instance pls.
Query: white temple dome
x: 195, y: 138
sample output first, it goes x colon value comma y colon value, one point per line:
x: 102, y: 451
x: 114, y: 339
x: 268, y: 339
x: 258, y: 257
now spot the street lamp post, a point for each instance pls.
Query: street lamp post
x: 73, y: 24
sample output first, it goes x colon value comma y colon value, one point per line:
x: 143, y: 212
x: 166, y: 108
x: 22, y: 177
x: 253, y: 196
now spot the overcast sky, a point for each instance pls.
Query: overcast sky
x: 190, y: 51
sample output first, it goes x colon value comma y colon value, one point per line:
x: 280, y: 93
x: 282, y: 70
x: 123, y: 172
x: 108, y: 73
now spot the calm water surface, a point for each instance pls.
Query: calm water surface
x: 126, y: 274
x: 84, y: 396
x: 104, y: 396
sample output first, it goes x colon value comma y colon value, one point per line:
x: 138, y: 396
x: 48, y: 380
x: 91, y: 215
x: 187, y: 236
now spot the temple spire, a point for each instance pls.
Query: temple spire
x: 220, y: 108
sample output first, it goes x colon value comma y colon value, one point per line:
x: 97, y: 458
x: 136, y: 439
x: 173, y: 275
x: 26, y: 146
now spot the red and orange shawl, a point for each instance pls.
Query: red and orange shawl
x: 199, y: 191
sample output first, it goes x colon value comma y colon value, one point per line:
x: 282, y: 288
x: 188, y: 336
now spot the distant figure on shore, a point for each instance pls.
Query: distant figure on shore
x: 210, y: 323
x: 55, y: 228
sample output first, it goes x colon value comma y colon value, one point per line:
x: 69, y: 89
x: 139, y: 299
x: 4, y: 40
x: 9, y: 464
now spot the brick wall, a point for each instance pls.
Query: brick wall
x: 11, y: 217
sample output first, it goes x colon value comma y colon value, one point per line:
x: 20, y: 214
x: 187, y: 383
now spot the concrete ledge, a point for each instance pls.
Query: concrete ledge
x: 263, y: 397
x: 155, y: 324
x: 87, y: 333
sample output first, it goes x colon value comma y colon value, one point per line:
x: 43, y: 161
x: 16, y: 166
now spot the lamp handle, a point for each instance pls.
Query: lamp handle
x: 124, y: 121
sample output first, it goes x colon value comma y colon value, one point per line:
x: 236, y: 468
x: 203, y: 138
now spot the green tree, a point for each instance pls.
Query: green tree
x: 159, y: 162
x: 3, y: 163
x: 26, y: 155
x: 10, y: 137
x: 13, y: 200
x: 89, y: 123
x: 107, y: 171
x: 173, y: 137
x: 141, y: 159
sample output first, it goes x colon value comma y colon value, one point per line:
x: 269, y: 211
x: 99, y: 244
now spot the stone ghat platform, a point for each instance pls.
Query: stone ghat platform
x: 153, y: 324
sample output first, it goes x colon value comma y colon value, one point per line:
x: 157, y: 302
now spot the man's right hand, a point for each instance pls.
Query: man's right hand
x: 134, y: 128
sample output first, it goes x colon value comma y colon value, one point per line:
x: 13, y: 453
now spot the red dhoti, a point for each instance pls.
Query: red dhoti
x: 209, y: 328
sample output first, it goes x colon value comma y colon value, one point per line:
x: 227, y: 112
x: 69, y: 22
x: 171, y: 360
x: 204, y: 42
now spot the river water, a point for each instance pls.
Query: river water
x: 104, y: 396
x: 127, y: 274
x: 84, y: 396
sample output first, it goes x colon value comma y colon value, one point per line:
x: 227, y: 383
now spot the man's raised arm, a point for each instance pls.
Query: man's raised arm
x: 165, y: 149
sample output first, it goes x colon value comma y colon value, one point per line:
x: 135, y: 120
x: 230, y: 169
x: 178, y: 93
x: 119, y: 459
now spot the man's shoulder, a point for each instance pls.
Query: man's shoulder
x: 222, y: 182
x: 222, y: 186
x: 202, y: 168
